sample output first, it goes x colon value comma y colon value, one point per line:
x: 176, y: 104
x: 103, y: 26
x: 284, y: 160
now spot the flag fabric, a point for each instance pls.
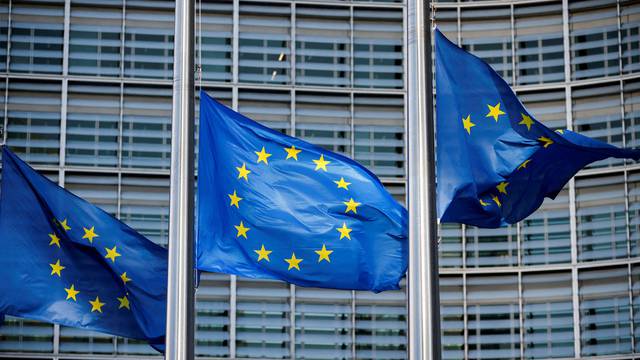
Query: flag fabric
x: 495, y: 162
x: 276, y: 207
x: 68, y: 262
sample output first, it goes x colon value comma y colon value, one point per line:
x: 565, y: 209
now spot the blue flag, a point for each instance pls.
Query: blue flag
x: 495, y: 162
x: 276, y: 207
x: 66, y: 261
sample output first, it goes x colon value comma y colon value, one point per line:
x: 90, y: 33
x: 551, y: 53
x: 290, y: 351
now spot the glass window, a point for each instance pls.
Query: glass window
x: 602, y: 230
x: 270, y: 108
x: 144, y: 205
x: 264, y: 54
x: 493, y: 317
x: 491, y: 247
x: 95, y: 38
x: 593, y: 27
x: 397, y: 190
x: 212, y: 315
x: 4, y: 33
x: 262, y: 319
x: 148, y: 39
x: 605, y: 320
x: 546, y: 234
x: 323, y: 324
x: 323, y: 36
x: 93, y: 119
x: 596, y: 114
x: 381, y: 324
x: 37, y: 36
x: 146, y: 127
x: 448, y: 23
x: 452, y: 317
x: 325, y: 120
x: 216, y: 19
x: 548, y: 315
x: 450, y: 245
x: 486, y: 33
x: 548, y: 107
x: 33, y: 120
x: 22, y: 335
x: 633, y: 184
x: 377, y: 42
x: 635, y: 288
x: 539, y: 50
x: 630, y: 35
x: 632, y: 113
x: 379, y: 133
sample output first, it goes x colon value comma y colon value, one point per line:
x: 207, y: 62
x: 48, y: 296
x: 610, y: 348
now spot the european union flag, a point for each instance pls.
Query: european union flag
x: 66, y: 261
x: 276, y: 207
x: 495, y: 162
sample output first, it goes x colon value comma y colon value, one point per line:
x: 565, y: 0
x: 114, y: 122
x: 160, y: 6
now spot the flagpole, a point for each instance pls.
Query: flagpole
x: 423, y: 291
x: 180, y: 291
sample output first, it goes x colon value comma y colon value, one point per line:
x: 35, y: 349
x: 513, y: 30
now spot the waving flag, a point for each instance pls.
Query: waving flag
x: 272, y: 206
x: 495, y: 162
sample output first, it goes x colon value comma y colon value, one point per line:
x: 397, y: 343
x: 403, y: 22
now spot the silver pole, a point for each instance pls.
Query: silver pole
x: 180, y: 292
x: 424, y: 304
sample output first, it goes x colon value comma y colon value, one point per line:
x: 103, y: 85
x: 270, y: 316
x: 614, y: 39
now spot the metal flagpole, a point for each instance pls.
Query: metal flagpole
x: 424, y: 304
x: 180, y: 292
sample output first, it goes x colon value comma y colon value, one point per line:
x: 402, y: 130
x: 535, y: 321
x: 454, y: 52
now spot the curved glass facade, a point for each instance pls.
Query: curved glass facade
x: 85, y: 97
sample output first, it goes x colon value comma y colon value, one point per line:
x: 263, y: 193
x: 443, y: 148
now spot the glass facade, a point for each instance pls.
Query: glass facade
x: 85, y: 97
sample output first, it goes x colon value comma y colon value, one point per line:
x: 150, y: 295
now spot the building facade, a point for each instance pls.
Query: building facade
x: 85, y: 94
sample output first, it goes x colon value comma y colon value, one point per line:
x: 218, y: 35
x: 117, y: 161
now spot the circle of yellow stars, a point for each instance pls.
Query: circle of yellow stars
x: 321, y: 164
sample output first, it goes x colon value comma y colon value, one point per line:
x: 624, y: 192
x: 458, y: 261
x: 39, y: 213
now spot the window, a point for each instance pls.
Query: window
x: 548, y: 315
x: 548, y: 107
x: 491, y: 247
x: 95, y: 38
x: 633, y: 184
x: 630, y: 35
x: 452, y: 317
x: 539, y: 49
x: 217, y: 22
x: 635, y: 288
x: 493, y: 317
x: 212, y: 315
x: 487, y: 34
x: 379, y: 133
x: 450, y: 245
x: 33, y: 120
x: 605, y: 311
x: 270, y: 108
x: 93, y: 119
x: 593, y: 28
x: 148, y: 39
x: 602, y: 230
x: 448, y: 23
x: 264, y: 54
x: 632, y: 113
x: 378, y: 51
x: 322, y: 46
x: 4, y: 33
x: 325, y: 120
x: 144, y: 205
x: 36, y: 37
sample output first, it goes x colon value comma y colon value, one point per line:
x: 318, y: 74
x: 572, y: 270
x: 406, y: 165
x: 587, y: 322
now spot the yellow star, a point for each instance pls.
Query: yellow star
x: 124, y: 302
x: 293, y: 262
x: 54, y: 240
x: 502, y: 187
x: 496, y: 200
x: 57, y: 268
x: 263, y: 156
x: 321, y: 163
x: 112, y: 254
x: 494, y: 111
x: 235, y: 199
x: 524, y: 164
x: 71, y: 293
x: 467, y: 124
x: 351, y: 206
x: 96, y: 305
x: 292, y: 152
x: 560, y: 131
x: 243, y: 172
x: 483, y: 203
x: 242, y: 231
x: 526, y: 120
x: 89, y: 234
x: 263, y: 253
x: 323, y: 254
x: 344, y: 231
x: 124, y: 277
x: 64, y: 225
x: 546, y: 141
x: 342, y: 184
